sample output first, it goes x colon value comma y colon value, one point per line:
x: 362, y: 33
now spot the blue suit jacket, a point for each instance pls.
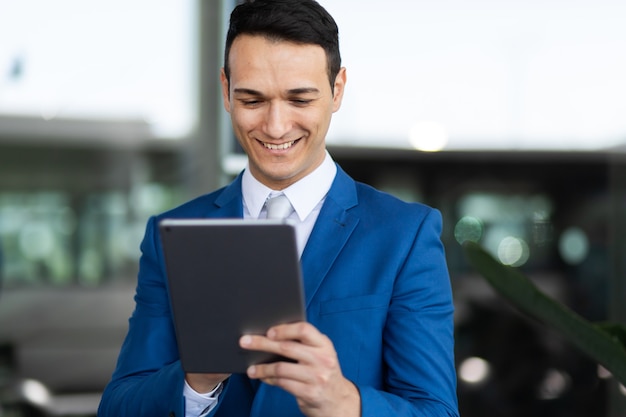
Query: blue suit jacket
x: 375, y: 282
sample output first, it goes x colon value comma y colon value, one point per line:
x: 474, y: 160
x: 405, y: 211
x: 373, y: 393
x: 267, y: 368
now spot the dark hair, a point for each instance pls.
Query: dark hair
x: 298, y: 21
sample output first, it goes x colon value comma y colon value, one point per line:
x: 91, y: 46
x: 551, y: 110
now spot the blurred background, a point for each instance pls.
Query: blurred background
x: 508, y: 116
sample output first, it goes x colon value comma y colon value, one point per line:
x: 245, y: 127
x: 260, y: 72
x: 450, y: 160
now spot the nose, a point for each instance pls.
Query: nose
x: 278, y: 121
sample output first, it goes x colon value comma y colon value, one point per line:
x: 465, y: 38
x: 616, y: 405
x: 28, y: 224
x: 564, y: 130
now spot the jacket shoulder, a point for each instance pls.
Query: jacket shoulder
x: 381, y: 203
x: 196, y: 207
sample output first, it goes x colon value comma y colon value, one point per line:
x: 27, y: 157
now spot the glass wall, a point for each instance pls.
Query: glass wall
x: 76, y: 216
x: 49, y: 238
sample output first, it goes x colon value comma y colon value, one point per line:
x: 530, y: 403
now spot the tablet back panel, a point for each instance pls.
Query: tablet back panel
x: 228, y: 278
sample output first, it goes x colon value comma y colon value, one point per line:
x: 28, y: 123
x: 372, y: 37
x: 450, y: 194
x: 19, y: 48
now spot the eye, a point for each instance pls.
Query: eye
x: 250, y: 102
x: 301, y: 101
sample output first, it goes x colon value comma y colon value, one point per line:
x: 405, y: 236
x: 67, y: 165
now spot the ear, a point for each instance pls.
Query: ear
x: 225, y: 90
x: 340, y: 85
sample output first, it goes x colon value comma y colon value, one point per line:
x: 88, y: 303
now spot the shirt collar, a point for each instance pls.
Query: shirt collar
x: 304, y: 195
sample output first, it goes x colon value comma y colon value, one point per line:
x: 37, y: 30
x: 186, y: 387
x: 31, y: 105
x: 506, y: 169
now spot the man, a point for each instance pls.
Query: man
x: 378, y: 340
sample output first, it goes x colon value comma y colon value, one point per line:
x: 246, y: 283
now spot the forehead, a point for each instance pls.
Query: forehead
x: 261, y: 56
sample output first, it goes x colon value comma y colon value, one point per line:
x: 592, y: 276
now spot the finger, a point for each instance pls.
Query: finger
x: 293, y: 350
x: 302, y: 381
x: 301, y: 331
x: 276, y: 371
x: 290, y: 377
x: 320, y: 350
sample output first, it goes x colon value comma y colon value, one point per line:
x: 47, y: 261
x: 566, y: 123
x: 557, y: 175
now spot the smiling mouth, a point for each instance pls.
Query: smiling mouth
x: 279, y: 147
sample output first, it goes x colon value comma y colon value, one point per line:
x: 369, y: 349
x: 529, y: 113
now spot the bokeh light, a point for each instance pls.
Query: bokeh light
x: 573, y: 245
x: 468, y: 228
x: 513, y: 251
x: 474, y: 370
x: 428, y: 136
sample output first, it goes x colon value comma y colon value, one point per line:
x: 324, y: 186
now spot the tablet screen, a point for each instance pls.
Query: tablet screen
x: 227, y: 278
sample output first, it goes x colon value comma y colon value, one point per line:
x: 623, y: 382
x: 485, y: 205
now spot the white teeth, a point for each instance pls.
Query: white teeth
x: 282, y: 146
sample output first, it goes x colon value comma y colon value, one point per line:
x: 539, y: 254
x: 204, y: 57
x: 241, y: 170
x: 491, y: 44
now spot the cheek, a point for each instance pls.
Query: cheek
x: 241, y: 121
x: 313, y: 121
x: 318, y: 125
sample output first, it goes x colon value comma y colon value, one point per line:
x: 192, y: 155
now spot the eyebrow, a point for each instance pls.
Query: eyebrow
x: 247, y: 91
x: 294, y: 91
x: 303, y: 90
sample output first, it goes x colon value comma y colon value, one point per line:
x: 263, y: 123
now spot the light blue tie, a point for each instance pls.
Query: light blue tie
x: 278, y: 207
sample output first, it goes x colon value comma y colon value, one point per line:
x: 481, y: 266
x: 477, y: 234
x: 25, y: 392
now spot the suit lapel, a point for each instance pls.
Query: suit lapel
x: 229, y: 203
x: 332, y: 229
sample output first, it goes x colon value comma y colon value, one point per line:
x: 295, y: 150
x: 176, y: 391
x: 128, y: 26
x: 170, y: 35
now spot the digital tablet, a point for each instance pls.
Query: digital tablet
x: 228, y: 278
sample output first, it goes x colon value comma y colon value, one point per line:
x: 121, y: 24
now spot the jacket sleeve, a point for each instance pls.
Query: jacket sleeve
x: 148, y: 379
x: 420, y: 377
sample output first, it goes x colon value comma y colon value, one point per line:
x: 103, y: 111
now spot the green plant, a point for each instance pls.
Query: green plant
x: 603, y: 342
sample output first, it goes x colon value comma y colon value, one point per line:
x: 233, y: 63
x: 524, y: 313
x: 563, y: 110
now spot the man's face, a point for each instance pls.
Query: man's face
x: 280, y: 103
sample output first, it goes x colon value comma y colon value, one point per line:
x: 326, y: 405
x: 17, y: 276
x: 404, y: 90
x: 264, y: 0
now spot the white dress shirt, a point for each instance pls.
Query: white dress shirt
x: 307, y: 197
